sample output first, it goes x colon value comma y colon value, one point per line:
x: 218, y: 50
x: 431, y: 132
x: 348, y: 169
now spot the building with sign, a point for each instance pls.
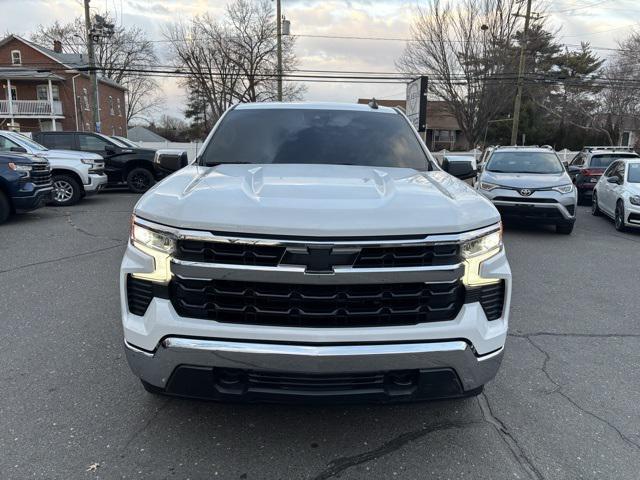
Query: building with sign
x: 443, y: 130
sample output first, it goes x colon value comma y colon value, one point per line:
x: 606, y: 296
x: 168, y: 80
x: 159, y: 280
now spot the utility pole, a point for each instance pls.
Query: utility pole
x: 93, y: 74
x: 516, y: 106
x: 279, y: 33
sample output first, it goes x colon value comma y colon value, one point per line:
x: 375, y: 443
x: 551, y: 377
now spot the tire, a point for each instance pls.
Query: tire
x: 139, y: 180
x: 619, y: 217
x: 5, y: 208
x: 66, y: 191
x: 595, y: 209
x: 152, y: 389
x: 564, y: 228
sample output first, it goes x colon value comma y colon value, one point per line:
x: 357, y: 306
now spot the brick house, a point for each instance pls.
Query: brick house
x: 42, y: 89
x: 443, y: 130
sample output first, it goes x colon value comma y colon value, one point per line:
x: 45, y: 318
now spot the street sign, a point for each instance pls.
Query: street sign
x: 417, y: 103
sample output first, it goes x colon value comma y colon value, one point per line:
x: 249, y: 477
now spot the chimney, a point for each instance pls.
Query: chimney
x: 57, y: 46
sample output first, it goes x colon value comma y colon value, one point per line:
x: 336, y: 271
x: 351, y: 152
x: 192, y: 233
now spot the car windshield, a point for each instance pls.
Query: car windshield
x: 603, y: 161
x: 313, y: 136
x: 113, y: 140
x: 525, y: 162
x: 126, y: 141
x: 634, y: 173
x: 24, y: 140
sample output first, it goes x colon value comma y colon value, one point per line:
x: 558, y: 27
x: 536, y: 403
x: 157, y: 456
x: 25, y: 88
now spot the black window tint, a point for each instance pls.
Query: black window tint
x: 59, y: 141
x: 294, y: 135
x: 603, y: 161
x: 91, y: 142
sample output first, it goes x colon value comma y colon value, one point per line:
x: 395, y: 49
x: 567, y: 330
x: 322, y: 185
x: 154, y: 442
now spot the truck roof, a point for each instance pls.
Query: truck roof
x: 314, y: 106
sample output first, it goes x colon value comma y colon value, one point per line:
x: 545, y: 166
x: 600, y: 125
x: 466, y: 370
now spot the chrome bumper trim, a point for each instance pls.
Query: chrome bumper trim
x: 297, y: 274
x: 156, y: 368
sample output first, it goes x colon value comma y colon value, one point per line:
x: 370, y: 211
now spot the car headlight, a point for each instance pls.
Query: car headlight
x: 488, y: 186
x: 475, y: 252
x: 88, y: 161
x: 635, y: 200
x: 24, y: 170
x: 568, y: 188
x: 153, y: 239
x: 157, y: 244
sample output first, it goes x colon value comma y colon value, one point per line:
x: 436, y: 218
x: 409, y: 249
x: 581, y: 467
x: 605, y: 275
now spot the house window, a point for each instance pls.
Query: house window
x: 43, y: 92
x: 119, y: 106
x: 16, y: 57
x: 626, y: 139
x: 85, y: 99
x: 111, y: 112
x: 444, y: 135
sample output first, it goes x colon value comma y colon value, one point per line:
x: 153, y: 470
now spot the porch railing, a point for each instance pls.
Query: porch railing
x: 21, y: 108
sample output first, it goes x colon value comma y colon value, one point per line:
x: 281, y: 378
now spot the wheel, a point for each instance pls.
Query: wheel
x: 5, y: 208
x: 66, y: 191
x: 619, y: 218
x: 151, y: 388
x: 595, y: 209
x: 564, y: 228
x: 140, y: 180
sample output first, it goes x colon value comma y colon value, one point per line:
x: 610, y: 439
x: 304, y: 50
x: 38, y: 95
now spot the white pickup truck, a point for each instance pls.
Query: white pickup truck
x: 314, y: 251
x: 74, y: 174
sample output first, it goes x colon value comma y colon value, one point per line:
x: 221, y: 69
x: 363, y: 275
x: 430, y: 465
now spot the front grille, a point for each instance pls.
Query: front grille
x: 139, y: 295
x: 408, y: 256
x: 533, y: 213
x: 272, y: 256
x: 229, y: 253
x: 491, y: 297
x: 40, y: 175
x: 276, y: 381
x: 316, y: 305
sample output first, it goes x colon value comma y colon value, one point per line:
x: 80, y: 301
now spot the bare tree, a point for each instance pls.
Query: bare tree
x: 466, y: 51
x: 232, y: 59
x: 128, y: 49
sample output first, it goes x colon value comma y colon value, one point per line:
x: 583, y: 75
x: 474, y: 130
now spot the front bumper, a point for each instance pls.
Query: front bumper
x: 218, y: 369
x: 33, y: 199
x: 541, y: 207
x: 97, y: 181
x: 632, y: 213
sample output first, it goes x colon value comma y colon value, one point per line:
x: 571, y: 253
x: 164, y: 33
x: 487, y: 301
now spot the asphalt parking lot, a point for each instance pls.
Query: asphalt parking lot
x: 565, y: 405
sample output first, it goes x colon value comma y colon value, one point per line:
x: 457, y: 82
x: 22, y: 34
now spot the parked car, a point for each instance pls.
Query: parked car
x: 530, y: 184
x: 325, y: 255
x: 590, y: 163
x: 25, y: 183
x: 123, y: 163
x: 74, y: 174
x: 617, y: 193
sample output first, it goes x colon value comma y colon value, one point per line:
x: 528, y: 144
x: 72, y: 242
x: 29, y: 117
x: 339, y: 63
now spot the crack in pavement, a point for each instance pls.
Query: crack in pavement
x: 79, y: 229
x: 146, y: 425
x: 506, y: 436
x: 559, y: 391
x: 337, y: 466
x: 60, y: 259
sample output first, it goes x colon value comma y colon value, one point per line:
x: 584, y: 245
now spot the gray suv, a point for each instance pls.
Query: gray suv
x: 529, y: 184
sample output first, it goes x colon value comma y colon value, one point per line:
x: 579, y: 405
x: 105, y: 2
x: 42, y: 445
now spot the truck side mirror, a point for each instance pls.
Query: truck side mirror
x: 462, y: 169
x: 18, y: 149
x: 169, y: 161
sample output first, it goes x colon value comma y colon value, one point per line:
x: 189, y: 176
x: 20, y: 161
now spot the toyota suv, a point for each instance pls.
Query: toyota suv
x: 74, y: 174
x: 529, y: 184
x: 314, y: 251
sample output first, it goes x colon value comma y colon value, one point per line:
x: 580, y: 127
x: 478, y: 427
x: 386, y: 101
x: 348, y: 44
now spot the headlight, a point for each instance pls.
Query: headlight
x: 153, y: 239
x: 476, y: 252
x: 88, y: 161
x: 481, y: 245
x: 635, y: 200
x: 488, y: 186
x: 20, y: 168
x: 568, y: 188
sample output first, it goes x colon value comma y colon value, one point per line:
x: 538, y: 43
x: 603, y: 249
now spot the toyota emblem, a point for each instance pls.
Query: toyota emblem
x: 525, y: 192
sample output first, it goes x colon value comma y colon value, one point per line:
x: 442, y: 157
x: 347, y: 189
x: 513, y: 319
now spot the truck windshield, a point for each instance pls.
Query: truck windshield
x: 304, y: 136
x: 26, y: 141
x: 603, y: 161
x: 525, y: 162
x: 634, y: 173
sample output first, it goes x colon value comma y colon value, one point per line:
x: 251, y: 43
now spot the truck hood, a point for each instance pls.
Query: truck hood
x: 526, y: 180
x: 316, y: 201
x: 69, y: 155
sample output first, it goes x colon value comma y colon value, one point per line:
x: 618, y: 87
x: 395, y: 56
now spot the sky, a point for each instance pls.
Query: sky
x: 600, y: 22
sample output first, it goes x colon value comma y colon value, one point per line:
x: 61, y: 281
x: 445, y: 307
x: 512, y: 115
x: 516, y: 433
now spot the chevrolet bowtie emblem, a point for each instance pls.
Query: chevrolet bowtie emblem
x: 320, y: 258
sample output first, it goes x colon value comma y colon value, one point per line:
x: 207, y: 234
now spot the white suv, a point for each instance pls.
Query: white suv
x: 617, y: 193
x: 74, y: 174
x: 314, y: 251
